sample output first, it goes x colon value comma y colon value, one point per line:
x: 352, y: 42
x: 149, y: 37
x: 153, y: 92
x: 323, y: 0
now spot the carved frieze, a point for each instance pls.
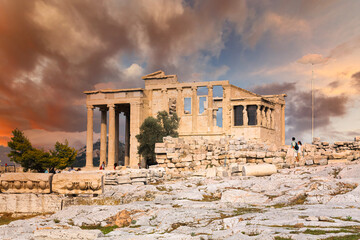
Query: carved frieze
x: 78, y: 183
x: 26, y: 182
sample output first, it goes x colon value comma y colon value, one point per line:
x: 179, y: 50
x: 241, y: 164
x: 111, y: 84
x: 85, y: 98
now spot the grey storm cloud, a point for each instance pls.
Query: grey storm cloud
x: 298, y: 106
x: 51, y: 51
x: 274, y: 88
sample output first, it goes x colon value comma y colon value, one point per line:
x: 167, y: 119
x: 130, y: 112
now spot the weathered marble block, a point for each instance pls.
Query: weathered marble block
x: 26, y: 182
x: 78, y: 183
x: 259, y: 170
x: 30, y: 203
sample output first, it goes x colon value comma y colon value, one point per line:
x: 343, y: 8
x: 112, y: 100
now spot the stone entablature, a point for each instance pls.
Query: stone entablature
x: 78, y: 183
x: 211, y: 109
x: 44, y: 183
x: 26, y: 182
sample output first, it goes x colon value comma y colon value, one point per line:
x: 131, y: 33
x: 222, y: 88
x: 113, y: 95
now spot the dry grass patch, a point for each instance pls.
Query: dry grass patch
x: 6, y: 218
x: 343, y: 188
x: 104, y: 230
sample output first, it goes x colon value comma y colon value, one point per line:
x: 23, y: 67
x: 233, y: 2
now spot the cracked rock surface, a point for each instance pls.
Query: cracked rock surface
x: 298, y: 203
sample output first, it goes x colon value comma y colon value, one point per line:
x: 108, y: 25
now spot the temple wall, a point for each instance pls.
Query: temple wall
x: 200, y: 153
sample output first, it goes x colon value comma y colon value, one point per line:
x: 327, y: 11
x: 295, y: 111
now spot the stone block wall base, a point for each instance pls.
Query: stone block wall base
x: 29, y: 203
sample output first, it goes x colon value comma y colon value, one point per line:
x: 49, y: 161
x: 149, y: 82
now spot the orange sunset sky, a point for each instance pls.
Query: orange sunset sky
x: 52, y: 51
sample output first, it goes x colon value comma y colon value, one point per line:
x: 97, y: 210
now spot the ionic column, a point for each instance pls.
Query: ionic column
x: 226, y: 109
x: 245, y: 116
x: 258, y: 115
x: 210, y: 109
x: 111, y: 147
x: 194, y: 109
x: 127, y: 139
x: 268, y: 124
x: 103, y: 135
x: 116, y: 137
x: 89, y: 136
x: 272, y: 119
x: 136, y: 119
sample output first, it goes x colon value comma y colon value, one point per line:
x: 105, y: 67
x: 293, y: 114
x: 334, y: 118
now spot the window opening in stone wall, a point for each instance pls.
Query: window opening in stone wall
x: 202, y: 91
x: 202, y: 104
x: 172, y: 106
x: 238, y: 115
x: 251, y: 110
x: 217, y: 91
x: 219, y: 117
x: 187, y: 105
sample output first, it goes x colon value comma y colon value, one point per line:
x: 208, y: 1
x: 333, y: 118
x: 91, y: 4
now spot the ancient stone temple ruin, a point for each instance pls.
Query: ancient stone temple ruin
x: 209, y: 109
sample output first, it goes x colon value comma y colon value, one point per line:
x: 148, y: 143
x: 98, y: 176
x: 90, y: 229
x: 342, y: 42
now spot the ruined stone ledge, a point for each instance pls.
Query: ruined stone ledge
x: 30, y: 203
x: 78, y: 183
x: 26, y: 182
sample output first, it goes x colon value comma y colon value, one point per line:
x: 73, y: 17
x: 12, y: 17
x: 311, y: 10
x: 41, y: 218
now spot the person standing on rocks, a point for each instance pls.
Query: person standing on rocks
x: 300, y: 151
x: 295, y: 148
x: 102, y: 166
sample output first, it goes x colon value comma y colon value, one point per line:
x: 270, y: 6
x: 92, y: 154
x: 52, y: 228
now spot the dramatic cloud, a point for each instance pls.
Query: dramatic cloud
x: 356, y: 80
x: 274, y: 88
x: 325, y: 107
x: 51, y: 51
x: 313, y: 59
x: 346, y: 48
x: 298, y: 107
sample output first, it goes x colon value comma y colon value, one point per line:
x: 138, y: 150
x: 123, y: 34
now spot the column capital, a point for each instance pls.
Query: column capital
x: 111, y: 105
x: 90, y: 107
x: 194, y: 87
x: 179, y: 88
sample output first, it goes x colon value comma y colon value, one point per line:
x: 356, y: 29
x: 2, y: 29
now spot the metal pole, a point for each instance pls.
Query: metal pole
x: 312, y: 102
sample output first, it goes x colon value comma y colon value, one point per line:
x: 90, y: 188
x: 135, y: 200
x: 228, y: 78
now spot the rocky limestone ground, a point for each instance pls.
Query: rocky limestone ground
x: 300, y: 203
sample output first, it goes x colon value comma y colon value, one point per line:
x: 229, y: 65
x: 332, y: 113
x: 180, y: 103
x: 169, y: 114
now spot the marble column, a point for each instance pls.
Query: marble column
x: 258, y: 115
x: 210, y: 109
x: 245, y: 116
x: 117, y: 137
x: 194, y: 109
x: 268, y: 124
x: 111, y: 147
x: 103, y: 135
x: 272, y: 119
x: 89, y: 136
x: 136, y: 119
x: 127, y: 138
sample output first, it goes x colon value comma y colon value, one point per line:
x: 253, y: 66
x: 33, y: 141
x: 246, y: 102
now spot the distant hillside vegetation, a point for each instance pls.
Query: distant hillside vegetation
x: 81, y: 156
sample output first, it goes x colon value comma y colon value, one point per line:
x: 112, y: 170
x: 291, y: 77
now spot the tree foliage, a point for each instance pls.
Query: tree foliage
x: 153, y: 130
x: 31, y: 158
x: 62, y: 157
